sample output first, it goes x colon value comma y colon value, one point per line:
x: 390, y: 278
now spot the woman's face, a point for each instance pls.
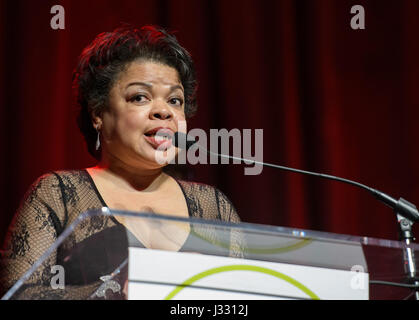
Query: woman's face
x: 146, y: 97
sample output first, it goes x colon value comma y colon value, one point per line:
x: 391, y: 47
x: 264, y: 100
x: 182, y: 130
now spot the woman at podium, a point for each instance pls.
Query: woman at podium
x: 135, y: 89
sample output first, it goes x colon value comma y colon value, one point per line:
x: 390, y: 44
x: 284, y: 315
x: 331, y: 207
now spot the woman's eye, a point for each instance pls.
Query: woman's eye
x: 176, y: 101
x: 138, y: 98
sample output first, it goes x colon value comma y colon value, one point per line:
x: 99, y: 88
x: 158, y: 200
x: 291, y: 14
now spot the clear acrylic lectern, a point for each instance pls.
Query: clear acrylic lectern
x: 135, y: 255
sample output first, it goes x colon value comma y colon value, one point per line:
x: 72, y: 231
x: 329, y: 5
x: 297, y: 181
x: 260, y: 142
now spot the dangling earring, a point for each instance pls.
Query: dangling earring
x: 98, y: 139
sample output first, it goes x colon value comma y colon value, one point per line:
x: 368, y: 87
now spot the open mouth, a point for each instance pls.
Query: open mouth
x: 160, y: 138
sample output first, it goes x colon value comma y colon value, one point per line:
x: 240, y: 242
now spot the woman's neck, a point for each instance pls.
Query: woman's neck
x: 128, y: 177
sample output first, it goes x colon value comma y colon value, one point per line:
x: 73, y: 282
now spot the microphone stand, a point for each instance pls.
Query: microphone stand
x: 405, y: 211
x: 406, y: 235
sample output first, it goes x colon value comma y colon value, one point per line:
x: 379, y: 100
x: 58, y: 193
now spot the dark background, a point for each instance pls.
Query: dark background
x: 329, y: 99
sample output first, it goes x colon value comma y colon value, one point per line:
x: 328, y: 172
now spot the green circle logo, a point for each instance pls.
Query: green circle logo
x: 241, y: 267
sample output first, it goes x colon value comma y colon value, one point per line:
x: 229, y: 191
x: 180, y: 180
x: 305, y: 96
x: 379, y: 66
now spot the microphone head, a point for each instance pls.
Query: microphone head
x: 182, y: 140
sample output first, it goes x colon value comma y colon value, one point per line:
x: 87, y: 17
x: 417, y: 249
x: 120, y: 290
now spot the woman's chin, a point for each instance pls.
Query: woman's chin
x: 164, y: 157
x: 156, y: 158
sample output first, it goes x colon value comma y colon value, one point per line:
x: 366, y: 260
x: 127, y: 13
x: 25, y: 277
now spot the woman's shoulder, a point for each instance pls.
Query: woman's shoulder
x: 68, y: 174
x: 193, y: 188
x: 55, y: 176
x: 201, y: 189
x: 57, y: 180
x: 208, y: 198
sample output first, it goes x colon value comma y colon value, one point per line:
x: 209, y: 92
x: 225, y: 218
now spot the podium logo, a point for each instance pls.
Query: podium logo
x: 57, y: 281
x: 240, y: 267
x: 358, y: 277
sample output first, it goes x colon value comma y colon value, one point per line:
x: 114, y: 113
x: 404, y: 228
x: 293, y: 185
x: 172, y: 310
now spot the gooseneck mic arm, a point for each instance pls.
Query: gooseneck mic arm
x: 401, y: 206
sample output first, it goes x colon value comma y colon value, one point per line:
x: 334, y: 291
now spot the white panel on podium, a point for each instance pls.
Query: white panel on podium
x: 158, y: 274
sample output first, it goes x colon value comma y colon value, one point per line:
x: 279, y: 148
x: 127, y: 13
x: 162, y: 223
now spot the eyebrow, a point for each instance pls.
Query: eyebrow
x: 149, y: 85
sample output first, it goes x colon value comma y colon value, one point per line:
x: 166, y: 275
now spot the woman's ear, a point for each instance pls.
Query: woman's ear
x: 96, y: 119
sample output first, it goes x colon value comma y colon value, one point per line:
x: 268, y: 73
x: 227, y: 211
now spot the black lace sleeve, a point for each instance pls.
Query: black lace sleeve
x: 208, y: 202
x: 229, y: 213
x: 36, y: 225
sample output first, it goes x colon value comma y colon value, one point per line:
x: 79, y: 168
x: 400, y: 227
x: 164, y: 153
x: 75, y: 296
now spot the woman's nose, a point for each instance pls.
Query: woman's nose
x: 160, y: 111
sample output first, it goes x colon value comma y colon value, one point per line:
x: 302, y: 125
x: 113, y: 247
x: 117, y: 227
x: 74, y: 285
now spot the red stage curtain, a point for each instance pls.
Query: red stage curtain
x: 329, y: 99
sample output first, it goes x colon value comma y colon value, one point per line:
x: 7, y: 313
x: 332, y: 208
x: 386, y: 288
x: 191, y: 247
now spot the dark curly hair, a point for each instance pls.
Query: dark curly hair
x: 101, y: 62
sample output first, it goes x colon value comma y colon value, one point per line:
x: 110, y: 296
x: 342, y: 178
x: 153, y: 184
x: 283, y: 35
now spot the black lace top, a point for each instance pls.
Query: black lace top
x: 53, y: 202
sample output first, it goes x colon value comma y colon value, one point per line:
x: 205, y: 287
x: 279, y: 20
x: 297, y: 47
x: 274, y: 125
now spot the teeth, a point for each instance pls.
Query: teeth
x: 161, y: 138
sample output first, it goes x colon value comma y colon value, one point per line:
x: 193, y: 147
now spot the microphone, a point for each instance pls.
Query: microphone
x: 401, y: 206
